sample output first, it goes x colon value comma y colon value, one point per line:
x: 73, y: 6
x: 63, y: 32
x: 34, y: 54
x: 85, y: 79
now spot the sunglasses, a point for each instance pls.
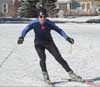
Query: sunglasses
x: 42, y: 16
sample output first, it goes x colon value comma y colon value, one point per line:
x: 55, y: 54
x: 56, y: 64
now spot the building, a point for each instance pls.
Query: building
x: 78, y: 7
x: 63, y: 4
x: 87, y: 7
x: 17, y: 4
x: 64, y: 7
x: 6, y: 8
x: 9, y: 8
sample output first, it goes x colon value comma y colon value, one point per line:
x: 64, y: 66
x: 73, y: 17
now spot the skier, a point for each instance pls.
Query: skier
x: 43, y: 40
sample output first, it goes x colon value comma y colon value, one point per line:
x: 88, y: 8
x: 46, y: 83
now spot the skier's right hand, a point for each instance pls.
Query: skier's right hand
x: 20, y: 40
x: 70, y: 40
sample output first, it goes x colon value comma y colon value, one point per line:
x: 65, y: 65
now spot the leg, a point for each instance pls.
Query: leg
x: 41, y: 52
x: 54, y: 51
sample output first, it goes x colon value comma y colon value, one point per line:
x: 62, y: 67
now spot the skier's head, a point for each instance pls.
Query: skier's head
x: 42, y: 15
x: 42, y: 12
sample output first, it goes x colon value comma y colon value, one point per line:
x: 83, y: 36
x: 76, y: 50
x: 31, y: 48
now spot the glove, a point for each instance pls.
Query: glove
x: 70, y: 40
x: 20, y: 40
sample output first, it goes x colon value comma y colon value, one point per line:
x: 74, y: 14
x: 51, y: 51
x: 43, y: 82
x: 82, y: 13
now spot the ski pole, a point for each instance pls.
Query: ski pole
x: 6, y: 58
x: 71, y: 48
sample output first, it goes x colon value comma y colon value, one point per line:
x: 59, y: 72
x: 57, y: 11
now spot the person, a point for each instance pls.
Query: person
x: 43, y: 40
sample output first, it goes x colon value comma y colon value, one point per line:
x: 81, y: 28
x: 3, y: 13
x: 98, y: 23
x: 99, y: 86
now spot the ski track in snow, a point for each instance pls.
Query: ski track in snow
x: 22, y: 67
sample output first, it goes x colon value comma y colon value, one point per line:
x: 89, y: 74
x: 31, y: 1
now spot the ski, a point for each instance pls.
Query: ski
x: 91, y: 83
x: 88, y: 82
x: 50, y: 84
x: 95, y: 79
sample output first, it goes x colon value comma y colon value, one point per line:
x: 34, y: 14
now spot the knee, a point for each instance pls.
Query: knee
x: 42, y: 61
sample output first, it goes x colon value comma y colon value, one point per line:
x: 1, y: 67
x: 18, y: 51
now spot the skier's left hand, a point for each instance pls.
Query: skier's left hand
x: 70, y: 40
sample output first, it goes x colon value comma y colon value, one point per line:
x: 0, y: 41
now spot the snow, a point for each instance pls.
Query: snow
x: 22, y: 67
x: 63, y: 0
x: 71, y: 19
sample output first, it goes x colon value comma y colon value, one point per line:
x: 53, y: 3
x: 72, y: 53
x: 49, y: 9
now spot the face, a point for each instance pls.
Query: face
x: 41, y: 19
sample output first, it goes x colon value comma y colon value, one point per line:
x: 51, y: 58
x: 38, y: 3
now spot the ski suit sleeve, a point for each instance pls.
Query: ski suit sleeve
x: 59, y: 30
x: 27, y: 29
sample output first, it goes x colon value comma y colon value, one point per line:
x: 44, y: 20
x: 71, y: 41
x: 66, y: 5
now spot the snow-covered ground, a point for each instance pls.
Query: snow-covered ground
x: 77, y: 19
x: 22, y: 67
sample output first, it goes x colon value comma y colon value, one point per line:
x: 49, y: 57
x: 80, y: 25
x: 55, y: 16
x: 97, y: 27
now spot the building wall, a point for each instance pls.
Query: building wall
x: 17, y: 4
x: 6, y: 8
x: 87, y: 7
x: 64, y: 7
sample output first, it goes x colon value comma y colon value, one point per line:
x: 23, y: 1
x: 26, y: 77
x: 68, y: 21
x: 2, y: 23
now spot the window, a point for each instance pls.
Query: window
x: 63, y: 5
x: 83, y: 6
x: 5, y: 8
x: 88, y: 5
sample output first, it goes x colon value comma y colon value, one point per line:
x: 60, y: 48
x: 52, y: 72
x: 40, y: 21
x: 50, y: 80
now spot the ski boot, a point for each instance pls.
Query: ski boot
x: 46, y: 77
x: 75, y: 77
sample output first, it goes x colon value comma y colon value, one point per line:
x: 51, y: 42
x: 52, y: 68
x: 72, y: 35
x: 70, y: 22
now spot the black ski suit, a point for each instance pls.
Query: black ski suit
x: 43, y: 40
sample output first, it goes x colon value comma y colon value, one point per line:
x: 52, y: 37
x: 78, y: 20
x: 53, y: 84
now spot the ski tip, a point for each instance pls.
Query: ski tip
x: 70, y: 80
